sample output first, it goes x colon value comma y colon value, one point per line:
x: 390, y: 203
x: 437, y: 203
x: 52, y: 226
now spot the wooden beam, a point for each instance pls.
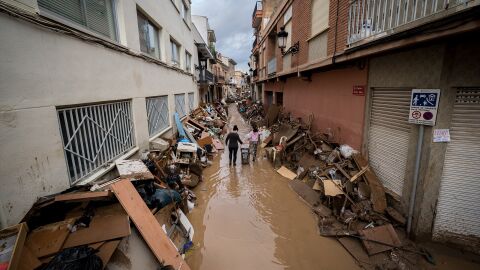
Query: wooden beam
x: 149, y: 228
x: 377, y: 195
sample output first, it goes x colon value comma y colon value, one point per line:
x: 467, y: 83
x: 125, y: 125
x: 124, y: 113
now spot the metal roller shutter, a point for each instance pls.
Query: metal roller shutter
x: 459, y: 198
x: 389, y: 135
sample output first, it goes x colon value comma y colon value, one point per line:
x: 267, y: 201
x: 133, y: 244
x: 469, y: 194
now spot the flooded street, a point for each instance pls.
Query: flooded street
x: 248, y: 218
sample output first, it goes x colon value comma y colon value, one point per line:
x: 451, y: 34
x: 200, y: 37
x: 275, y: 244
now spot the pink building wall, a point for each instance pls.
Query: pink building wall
x: 329, y: 96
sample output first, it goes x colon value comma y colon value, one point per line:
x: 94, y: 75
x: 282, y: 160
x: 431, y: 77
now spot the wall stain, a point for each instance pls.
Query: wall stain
x: 8, y: 117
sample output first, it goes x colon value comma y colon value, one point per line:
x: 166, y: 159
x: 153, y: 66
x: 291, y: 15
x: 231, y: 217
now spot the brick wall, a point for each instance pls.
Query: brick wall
x: 342, y: 26
x: 301, y: 25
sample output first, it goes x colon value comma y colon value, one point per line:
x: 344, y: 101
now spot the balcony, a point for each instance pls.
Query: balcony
x: 257, y: 14
x: 272, y: 67
x: 206, y: 77
x: 373, y: 19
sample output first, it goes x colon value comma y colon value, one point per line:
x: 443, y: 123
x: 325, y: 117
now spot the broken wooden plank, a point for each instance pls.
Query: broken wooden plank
x: 49, y: 239
x: 377, y: 196
x: 397, y: 216
x: 373, y: 237
x: 359, y: 174
x: 29, y: 261
x: 101, y: 228
x: 148, y: 226
x: 218, y: 144
x: 134, y: 169
x: 12, y: 240
x: 340, y: 168
x: 106, y: 250
x: 283, y: 171
x: 332, y: 187
x: 83, y: 196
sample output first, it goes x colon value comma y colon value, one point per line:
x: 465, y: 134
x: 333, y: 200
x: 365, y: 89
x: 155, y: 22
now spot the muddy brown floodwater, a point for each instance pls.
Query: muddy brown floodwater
x: 248, y: 218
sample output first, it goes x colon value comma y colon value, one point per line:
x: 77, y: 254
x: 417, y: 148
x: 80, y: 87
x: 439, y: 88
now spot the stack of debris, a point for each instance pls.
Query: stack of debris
x: 253, y: 112
x: 88, y: 227
x: 83, y: 229
x: 343, y: 190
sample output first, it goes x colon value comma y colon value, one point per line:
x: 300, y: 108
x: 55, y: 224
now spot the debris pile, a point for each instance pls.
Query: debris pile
x: 341, y: 188
x: 252, y: 112
x: 89, y: 227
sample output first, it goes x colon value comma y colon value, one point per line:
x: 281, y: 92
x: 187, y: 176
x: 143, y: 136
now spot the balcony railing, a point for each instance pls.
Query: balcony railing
x: 368, y: 18
x: 272, y: 67
x: 206, y: 76
x: 257, y: 14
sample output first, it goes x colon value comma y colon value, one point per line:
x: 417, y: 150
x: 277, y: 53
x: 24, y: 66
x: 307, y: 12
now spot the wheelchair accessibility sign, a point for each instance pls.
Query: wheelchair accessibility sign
x: 423, y: 106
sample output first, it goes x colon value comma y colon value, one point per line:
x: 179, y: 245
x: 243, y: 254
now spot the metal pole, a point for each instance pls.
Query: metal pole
x: 415, y: 178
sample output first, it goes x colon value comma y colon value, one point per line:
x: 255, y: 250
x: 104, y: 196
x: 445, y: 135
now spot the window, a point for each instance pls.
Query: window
x: 288, y: 15
x: 95, y: 135
x: 188, y: 61
x: 180, y: 105
x: 191, y: 101
x: 183, y: 10
x: 157, y: 114
x: 175, y: 52
x: 96, y: 15
x: 148, y: 34
x: 319, y: 16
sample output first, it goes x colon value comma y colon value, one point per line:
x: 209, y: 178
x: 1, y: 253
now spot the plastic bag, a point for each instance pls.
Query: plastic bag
x: 77, y: 258
x: 347, y: 151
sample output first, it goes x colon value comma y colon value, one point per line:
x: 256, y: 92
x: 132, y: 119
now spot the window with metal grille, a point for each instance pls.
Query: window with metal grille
x: 191, y: 101
x: 94, y: 135
x: 180, y: 105
x: 157, y: 112
x: 148, y: 34
x: 96, y: 15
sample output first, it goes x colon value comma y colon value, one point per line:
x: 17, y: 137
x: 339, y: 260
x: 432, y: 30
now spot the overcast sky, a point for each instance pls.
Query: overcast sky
x: 232, y: 22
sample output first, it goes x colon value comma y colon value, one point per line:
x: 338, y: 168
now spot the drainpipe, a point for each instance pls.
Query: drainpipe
x: 415, y: 179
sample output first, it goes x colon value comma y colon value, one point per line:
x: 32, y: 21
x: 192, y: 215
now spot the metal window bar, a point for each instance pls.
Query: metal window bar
x: 157, y: 114
x: 94, y: 135
x: 191, y: 102
x: 180, y: 105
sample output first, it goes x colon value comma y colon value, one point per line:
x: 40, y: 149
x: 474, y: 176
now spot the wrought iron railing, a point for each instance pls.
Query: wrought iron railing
x: 369, y: 18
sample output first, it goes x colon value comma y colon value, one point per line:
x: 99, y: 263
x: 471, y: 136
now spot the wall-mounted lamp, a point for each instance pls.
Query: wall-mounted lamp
x: 282, y: 42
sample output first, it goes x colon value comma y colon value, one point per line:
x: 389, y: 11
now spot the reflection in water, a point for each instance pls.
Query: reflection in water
x: 248, y: 218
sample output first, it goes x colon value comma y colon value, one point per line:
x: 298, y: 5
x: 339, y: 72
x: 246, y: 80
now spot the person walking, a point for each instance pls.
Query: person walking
x: 232, y: 141
x: 254, y: 137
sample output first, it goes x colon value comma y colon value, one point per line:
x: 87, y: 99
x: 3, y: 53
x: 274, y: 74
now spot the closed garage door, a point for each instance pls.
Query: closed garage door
x: 459, y: 199
x: 389, y: 135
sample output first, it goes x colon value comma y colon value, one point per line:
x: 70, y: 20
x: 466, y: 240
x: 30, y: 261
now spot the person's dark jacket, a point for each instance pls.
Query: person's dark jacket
x: 233, y: 139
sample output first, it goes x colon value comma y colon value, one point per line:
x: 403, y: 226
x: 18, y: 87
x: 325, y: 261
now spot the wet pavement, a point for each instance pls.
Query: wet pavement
x: 248, y: 218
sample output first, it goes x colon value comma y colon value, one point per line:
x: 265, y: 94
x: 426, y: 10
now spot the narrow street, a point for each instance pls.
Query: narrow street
x: 248, y: 218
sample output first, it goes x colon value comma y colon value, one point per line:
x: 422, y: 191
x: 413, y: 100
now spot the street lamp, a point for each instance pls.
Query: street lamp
x: 282, y: 42
x: 282, y: 38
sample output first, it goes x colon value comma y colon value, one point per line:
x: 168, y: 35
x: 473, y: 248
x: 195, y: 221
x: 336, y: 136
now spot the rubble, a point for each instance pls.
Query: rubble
x: 338, y: 184
x: 82, y: 227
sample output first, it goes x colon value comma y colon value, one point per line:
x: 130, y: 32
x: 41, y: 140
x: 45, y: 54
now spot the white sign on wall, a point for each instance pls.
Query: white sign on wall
x: 423, y: 106
x: 441, y: 135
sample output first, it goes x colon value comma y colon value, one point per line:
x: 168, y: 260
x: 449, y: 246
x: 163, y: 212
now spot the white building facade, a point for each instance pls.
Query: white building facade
x: 85, y: 83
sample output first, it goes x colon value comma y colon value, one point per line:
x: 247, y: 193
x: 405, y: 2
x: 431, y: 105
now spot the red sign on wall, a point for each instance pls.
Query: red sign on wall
x: 358, y: 90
